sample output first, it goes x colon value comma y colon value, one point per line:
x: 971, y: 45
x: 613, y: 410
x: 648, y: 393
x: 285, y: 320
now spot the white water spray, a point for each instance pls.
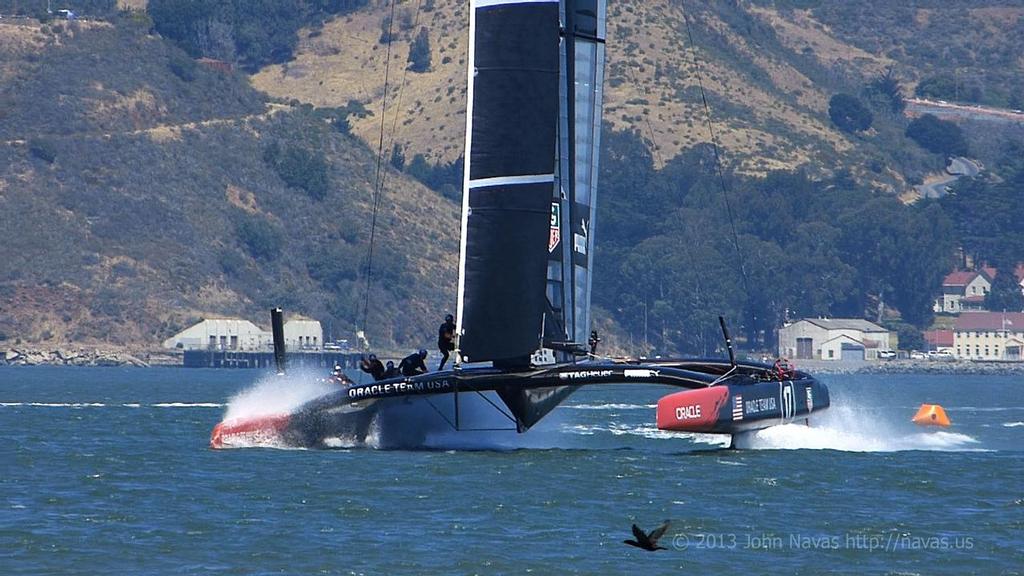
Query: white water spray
x: 854, y: 429
x: 274, y: 394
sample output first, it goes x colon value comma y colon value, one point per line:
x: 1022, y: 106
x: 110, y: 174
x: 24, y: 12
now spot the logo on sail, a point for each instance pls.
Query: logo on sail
x: 580, y: 240
x: 555, y: 235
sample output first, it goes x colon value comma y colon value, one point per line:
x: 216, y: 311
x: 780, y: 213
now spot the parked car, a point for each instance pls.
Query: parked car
x: 916, y: 355
x: 941, y: 354
x: 887, y: 355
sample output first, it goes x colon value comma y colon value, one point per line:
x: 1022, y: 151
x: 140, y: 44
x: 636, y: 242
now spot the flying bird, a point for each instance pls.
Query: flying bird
x: 648, y: 541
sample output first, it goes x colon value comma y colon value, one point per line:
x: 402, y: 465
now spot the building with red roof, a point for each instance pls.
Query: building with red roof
x: 964, y: 290
x: 989, y: 336
x: 937, y: 339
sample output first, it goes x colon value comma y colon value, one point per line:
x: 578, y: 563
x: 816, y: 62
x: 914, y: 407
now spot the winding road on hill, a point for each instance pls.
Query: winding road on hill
x: 958, y: 168
x: 163, y: 129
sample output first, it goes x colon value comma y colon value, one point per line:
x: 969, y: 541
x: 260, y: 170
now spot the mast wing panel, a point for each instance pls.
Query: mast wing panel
x: 510, y: 143
x: 505, y: 258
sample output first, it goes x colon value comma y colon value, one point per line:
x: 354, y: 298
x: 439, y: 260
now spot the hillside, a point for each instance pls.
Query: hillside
x: 137, y: 194
x: 159, y: 166
x: 768, y: 70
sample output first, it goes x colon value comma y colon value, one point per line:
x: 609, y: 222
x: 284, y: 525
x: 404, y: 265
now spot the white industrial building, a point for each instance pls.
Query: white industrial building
x: 303, y: 335
x: 833, y: 339
x: 239, y: 335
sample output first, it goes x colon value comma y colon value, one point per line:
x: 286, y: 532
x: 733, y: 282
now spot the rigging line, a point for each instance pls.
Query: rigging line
x: 715, y: 147
x: 441, y: 414
x: 377, y: 178
x: 397, y: 107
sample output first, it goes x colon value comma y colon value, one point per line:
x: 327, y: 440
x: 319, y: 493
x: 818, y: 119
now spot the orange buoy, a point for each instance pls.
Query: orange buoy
x: 931, y: 415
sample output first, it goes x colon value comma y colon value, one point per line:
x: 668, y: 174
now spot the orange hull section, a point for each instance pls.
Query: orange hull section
x: 253, y: 430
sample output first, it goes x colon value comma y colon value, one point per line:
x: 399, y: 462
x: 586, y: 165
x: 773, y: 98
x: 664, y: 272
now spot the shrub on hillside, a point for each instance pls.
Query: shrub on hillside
x: 256, y: 32
x: 42, y: 149
x: 260, y: 237
x: 299, y: 168
x: 938, y: 136
x: 941, y: 87
x: 849, y: 114
x: 183, y: 67
x: 443, y: 177
x: 419, y: 52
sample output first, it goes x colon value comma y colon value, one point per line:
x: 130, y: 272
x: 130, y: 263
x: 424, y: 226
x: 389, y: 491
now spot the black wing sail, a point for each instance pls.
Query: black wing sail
x: 510, y: 141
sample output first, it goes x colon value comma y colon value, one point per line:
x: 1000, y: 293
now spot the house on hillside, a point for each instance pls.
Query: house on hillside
x: 964, y: 290
x: 989, y: 336
x: 237, y: 335
x: 834, y: 339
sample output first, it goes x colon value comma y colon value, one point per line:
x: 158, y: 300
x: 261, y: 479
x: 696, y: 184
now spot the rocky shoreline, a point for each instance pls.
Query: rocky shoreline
x: 912, y: 367
x: 87, y: 357
x: 144, y: 358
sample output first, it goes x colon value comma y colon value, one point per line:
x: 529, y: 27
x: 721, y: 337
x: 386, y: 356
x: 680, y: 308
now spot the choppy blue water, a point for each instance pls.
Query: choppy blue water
x: 108, y: 471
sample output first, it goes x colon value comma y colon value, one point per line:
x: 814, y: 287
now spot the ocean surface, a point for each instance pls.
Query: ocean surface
x: 108, y: 471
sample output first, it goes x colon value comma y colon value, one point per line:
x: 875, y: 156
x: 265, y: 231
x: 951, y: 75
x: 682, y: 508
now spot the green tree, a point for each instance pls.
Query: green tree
x: 42, y: 149
x: 261, y: 238
x: 300, y: 168
x: 885, y: 93
x: 941, y: 87
x: 419, y: 52
x: 397, y: 157
x: 849, y: 114
x: 1005, y: 294
x: 938, y: 136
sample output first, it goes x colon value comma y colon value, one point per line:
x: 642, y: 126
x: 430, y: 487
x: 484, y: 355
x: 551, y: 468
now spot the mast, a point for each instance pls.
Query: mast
x: 582, y: 58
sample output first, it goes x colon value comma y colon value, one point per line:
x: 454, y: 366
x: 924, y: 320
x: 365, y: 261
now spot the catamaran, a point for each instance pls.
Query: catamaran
x: 533, y: 127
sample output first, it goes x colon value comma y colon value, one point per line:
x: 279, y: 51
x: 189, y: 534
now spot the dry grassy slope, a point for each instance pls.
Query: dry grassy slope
x: 119, y: 239
x: 347, y: 62
x: 650, y: 86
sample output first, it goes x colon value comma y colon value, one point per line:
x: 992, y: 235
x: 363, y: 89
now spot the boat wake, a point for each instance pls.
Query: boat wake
x: 851, y: 429
x: 105, y: 405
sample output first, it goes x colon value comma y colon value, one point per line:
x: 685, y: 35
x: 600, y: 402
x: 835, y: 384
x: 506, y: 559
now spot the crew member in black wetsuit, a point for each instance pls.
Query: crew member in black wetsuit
x: 446, y: 339
x: 413, y: 364
x: 372, y: 366
x: 391, y: 370
x: 594, y: 341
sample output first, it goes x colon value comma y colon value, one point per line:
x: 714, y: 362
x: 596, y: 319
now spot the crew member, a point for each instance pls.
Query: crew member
x: 446, y: 339
x: 391, y: 370
x: 372, y: 366
x: 338, y: 376
x: 413, y: 364
x: 594, y: 340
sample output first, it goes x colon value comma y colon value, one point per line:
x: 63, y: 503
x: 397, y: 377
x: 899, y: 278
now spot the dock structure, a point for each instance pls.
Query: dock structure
x: 237, y: 359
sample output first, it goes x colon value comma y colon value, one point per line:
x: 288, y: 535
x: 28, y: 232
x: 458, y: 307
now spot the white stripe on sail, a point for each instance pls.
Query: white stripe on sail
x: 512, y: 180
x: 470, y: 68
